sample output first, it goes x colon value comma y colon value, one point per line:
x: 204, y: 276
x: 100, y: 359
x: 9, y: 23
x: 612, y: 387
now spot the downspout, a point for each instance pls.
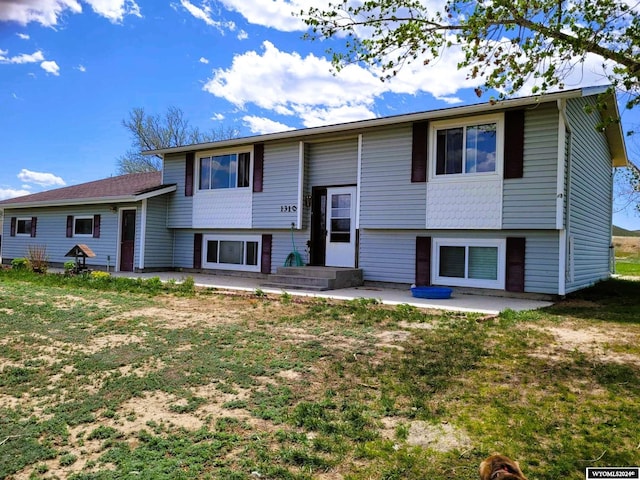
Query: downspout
x: 563, y: 198
x: 300, y: 185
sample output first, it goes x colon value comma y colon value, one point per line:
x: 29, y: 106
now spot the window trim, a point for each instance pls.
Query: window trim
x: 83, y: 217
x: 498, y: 284
x: 206, y: 238
x: 435, y: 126
x: 214, y: 153
x: 24, y: 219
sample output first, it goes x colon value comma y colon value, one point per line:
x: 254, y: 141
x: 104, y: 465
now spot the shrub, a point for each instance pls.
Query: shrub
x: 37, y: 255
x: 97, y: 275
x: 69, y: 266
x: 20, y: 263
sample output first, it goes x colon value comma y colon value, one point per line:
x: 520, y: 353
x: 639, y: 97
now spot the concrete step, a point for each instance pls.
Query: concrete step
x: 315, y: 278
x: 288, y: 286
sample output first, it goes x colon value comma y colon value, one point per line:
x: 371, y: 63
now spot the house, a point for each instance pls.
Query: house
x: 119, y: 218
x: 510, y: 196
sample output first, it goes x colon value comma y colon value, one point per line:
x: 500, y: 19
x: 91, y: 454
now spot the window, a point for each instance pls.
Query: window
x: 224, y: 171
x: 82, y: 226
x: 232, y: 253
x: 467, y: 148
x: 24, y: 226
x: 473, y: 263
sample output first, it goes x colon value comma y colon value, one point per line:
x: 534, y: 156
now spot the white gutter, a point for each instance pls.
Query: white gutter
x: 359, y: 181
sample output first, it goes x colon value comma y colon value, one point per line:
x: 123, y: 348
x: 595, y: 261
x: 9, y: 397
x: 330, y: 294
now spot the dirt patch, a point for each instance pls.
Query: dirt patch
x: 595, y: 342
x: 390, y: 339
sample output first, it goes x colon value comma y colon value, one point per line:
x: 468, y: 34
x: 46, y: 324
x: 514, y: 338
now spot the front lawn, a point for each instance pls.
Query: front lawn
x: 112, y: 379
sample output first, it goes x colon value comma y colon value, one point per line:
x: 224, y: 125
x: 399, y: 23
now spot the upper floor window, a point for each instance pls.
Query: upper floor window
x: 230, y: 170
x: 470, y: 146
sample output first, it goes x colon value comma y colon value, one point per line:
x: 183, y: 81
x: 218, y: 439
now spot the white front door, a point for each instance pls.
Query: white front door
x: 341, y: 227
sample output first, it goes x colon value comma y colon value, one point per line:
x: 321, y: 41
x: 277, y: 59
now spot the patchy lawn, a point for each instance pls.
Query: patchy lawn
x: 108, y: 380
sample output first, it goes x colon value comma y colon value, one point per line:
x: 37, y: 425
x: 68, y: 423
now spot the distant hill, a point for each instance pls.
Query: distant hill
x: 621, y: 232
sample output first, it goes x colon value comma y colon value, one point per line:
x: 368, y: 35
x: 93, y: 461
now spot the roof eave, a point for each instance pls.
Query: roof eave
x: 376, y: 122
x: 95, y: 201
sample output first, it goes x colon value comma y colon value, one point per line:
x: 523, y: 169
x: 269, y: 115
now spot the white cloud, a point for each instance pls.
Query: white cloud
x: 242, y: 35
x: 115, y: 10
x: 204, y: 60
x: 81, y: 68
x: 48, y: 12
x: 51, y: 67
x: 292, y: 85
x: 260, y: 125
x: 22, y: 58
x: 217, y: 117
x: 23, y: 36
x: 6, y: 193
x: 278, y: 14
x: 40, y: 178
x: 205, y: 13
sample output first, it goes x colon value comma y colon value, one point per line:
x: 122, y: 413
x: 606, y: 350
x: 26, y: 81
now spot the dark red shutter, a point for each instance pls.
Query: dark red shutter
x: 69, y: 226
x: 419, y: 152
x: 258, y: 166
x: 96, y: 226
x: 14, y: 220
x: 423, y: 261
x: 188, y: 174
x: 34, y: 222
x: 197, y: 250
x: 265, y: 263
x: 513, y: 143
x: 516, y: 247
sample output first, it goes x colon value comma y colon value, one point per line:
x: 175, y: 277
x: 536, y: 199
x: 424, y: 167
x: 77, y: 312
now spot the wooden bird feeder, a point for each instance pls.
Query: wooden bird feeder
x: 80, y: 252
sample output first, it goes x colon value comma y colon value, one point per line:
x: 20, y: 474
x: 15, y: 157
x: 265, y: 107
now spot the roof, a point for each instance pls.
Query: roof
x: 613, y: 131
x: 123, y: 188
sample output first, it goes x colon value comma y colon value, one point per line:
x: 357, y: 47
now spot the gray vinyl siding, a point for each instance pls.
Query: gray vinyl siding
x: 388, y: 199
x: 180, y: 207
x: 530, y: 202
x: 389, y: 255
x: 51, y: 232
x: 590, y: 194
x: 333, y: 162
x: 281, y: 245
x: 280, y: 187
x: 158, y: 251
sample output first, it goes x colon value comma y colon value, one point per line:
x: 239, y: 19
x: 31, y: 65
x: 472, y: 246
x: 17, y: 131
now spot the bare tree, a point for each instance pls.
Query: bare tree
x: 153, y: 132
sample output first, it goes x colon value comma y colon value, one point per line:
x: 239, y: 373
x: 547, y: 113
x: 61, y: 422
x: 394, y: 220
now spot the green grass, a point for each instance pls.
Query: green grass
x: 628, y: 266
x: 120, y: 380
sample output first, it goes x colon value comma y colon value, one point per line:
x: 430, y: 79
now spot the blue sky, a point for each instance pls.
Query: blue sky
x: 72, y: 70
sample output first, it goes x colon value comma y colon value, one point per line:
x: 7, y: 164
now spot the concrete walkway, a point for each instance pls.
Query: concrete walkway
x: 389, y: 296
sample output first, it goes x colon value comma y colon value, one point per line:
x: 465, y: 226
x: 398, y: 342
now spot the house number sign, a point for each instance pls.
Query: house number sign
x: 288, y: 208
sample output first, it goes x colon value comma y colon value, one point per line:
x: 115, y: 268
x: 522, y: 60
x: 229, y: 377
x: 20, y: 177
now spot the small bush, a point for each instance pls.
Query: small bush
x: 69, y: 266
x: 98, y: 275
x: 37, y: 255
x: 20, y: 263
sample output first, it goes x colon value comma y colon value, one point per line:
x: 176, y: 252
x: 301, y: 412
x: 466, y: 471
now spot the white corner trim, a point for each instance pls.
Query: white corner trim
x: 143, y: 233
x: 562, y: 262
x: 358, y: 181
x: 300, y: 185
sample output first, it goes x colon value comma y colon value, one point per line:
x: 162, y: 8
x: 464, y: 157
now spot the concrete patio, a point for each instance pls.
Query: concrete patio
x: 459, y: 302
